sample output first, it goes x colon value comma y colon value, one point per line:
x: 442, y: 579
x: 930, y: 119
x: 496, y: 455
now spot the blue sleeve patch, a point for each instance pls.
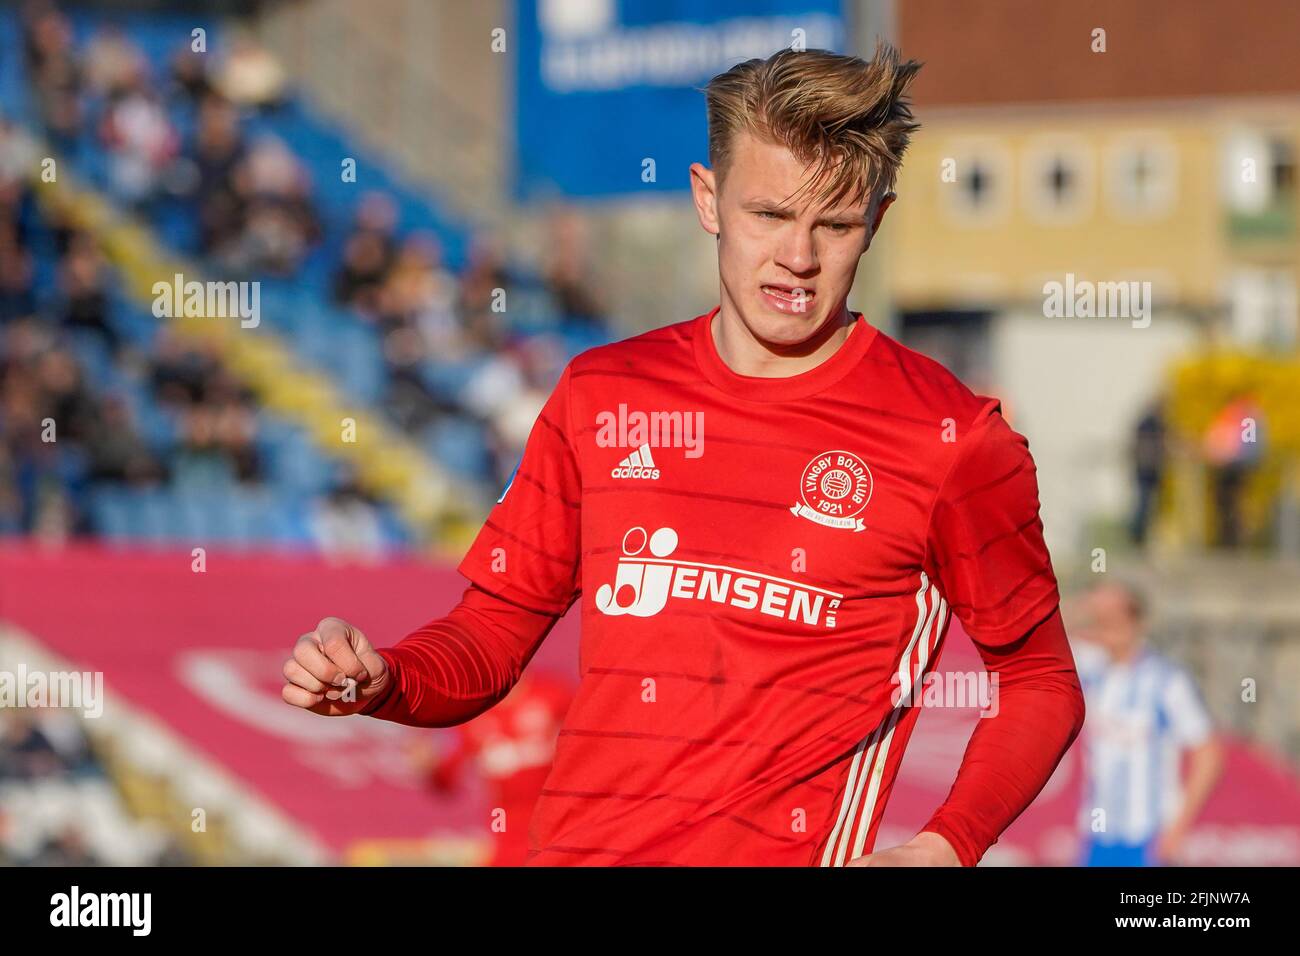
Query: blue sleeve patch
x: 510, y: 481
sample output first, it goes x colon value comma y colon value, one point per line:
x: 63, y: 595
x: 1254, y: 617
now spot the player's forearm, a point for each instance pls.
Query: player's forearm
x: 1011, y: 756
x: 1008, y: 761
x: 456, y: 667
x: 1206, y: 765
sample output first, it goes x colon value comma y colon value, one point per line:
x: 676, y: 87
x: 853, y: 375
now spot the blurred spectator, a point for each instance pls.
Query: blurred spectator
x: 17, y: 294
x: 509, y: 391
x: 432, y: 295
x: 55, y: 75
x: 1232, y: 447
x: 368, y: 253
x: 83, y: 283
x: 114, y: 65
x: 117, y: 453
x: 65, y: 399
x: 142, y: 144
x: 218, y: 431
x: 26, y: 458
x: 200, y: 460
x: 482, y: 283
x: 180, y: 372
x: 189, y: 74
x: 346, y: 523
x: 419, y: 288
x: 66, y: 848
x: 409, y: 400
x: 361, y: 274
x: 569, y: 273
x: 1148, y: 469
x: 277, y: 221
x: 217, y: 153
x: 12, y: 516
x: 56, y: 517
x: 25, y: 752
x: 46, y: 413
x: 18, y: 160
x: 248, y: 74
x: 51, y: 745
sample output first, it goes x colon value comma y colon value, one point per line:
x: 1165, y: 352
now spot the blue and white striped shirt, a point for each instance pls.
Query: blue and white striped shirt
x: 1142, y: 714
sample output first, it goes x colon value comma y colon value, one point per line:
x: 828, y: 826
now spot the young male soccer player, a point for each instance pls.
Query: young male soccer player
x: 1146, y: 714
x: 768, y: 514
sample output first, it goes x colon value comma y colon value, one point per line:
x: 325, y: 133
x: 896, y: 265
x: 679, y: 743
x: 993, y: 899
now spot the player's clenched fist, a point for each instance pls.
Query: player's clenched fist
x: 334, y: 671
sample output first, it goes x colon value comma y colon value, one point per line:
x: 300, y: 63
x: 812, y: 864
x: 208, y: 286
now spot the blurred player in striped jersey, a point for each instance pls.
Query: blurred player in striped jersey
x: 758, y: 605
x: 1144, y: 715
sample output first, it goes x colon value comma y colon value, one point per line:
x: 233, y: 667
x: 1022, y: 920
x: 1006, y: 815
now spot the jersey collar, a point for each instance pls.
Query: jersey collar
x: 759, y: 389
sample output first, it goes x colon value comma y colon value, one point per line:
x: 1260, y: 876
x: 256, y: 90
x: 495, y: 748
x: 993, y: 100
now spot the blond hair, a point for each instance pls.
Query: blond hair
x: 850, y: 116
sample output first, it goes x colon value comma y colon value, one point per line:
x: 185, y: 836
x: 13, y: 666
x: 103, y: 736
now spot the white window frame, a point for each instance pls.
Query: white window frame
x: 1242, y: 143
x: 1123, y: 201
x: 1040, y: 204
x: 994, y: 155
x: 1273, y: 317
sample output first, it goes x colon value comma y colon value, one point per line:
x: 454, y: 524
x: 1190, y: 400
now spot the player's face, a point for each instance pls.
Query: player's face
x: 786, y: 267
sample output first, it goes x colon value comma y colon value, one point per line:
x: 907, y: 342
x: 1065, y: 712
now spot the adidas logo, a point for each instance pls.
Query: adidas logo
x: 639, y: 464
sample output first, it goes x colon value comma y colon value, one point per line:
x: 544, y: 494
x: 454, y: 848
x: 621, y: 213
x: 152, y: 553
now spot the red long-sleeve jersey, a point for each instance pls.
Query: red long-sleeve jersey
x: 766, y: 567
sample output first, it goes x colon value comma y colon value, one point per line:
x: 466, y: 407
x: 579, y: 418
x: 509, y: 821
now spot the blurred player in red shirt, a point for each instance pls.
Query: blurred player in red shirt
x: 767, y: 515
x: 510, y: 748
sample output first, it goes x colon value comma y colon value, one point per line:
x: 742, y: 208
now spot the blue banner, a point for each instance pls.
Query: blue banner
x: 607, y: 98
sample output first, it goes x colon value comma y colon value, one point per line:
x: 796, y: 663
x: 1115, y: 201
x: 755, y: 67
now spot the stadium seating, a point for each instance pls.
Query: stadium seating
x: 334, y: 359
